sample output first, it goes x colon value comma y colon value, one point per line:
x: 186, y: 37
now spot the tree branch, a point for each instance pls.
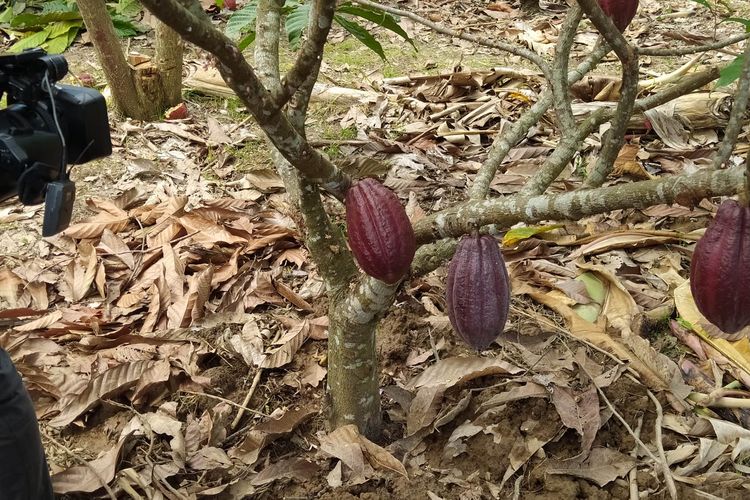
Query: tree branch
x: 684, y: 51
x: 615, y: 137
x: 737, y: 116
x: 187, y: 18
x: 574, y: 205
x: 503, y: 143
x: 311, y: 53
x: 267, y: 29
x: 484, y: 41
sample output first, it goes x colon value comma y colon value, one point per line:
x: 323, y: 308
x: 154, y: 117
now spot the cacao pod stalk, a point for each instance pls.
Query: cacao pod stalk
x: 380, y: 234
x: 720, y: 269
x: 478, y: 291
x: 620, y: 11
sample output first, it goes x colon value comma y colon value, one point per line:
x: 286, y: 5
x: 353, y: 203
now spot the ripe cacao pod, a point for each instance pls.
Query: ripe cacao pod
x: 720, y: 269
x: 620, y: 11
x: 478, y: 291
x: 380, y: 234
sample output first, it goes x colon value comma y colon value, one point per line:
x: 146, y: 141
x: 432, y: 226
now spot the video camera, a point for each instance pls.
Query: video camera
x: 44, y: 127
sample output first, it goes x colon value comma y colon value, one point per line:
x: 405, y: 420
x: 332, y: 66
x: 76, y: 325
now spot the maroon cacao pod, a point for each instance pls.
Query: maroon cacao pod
x: 380, y: 234
x: 478, y: 291
x: 720, y: 269
x: 620, y: 11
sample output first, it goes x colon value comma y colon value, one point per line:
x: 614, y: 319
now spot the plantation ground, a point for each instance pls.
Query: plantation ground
x: 148, y: 394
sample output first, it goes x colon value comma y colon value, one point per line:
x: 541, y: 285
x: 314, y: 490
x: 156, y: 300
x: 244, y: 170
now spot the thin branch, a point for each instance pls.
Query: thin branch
x: 615, y: 136
x: 191, y: 23
x: 660, y: 447
x: 267, y: 29
x: 504, y: 142
x: 737, y: 116
x: 559, y: 81
x: 684, y: 51
x: 311, y: 53
x: 505, y: 212
x: 484, y: 41
x: 246, y: 401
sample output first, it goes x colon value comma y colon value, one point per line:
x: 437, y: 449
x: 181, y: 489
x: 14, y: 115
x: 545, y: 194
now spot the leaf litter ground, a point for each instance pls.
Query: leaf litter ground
x: 183, y: 297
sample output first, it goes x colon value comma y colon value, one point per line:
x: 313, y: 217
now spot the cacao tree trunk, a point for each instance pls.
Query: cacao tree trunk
x: 143, y: 92
x: 111, y: 57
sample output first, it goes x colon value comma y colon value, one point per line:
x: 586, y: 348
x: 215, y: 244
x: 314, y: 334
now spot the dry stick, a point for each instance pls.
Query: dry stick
x: 633, y: 474
x: 660, y: 446
x: 225, y: 400
x: 246, y: 401
x: 736, y: 118
x: 559, y: 80
x: 128, y: 489
x: 485, y: 41
x: 684, y: 51
x: 82, y: 461
x: 666, y: 470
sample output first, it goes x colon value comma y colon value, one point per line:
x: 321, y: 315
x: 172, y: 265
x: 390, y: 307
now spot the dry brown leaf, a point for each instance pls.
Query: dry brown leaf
x: 602, y: 466
x: 209, y: 458
x: 88, y: 479
x: 290, y: 344
x: 424, y: 408
x: 294, y: 468
x: 79, y: 274
x: 265, y: 180
x: 349, y: 446
x: 536, y: 434
x: 112, y: 244
x: 266, y: 432
x: 104, y: 386
x: 10, y: 286
x: 41, y: 323
x: 313, y: 374
x: 579, y: 411
x: 95, y: 226
x: 207, y: 231
x: 453, y: 371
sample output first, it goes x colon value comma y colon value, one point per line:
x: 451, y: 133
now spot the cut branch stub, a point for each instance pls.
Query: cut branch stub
x: 720, y: 269
x: 620, y: 11
x: 478, y: 291
x: 380, y: 234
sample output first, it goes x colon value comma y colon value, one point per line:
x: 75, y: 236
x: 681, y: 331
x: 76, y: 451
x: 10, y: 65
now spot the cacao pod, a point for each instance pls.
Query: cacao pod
x: 478, y: 291
x: 620, y: 11
x: 720, y: 269
x: 380, y: 234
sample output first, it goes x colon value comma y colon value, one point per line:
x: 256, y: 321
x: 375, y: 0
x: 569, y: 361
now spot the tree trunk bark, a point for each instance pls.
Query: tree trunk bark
x: 169, y: 63
x: 116, y: 69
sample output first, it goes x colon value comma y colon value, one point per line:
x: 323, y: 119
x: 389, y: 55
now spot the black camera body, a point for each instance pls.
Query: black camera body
x: 44, y: 127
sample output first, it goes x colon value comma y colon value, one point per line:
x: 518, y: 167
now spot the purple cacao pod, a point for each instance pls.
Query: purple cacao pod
x: 720, y: 269
x: 478, y: 291
x: 620, y: 11
x: 380, y: 234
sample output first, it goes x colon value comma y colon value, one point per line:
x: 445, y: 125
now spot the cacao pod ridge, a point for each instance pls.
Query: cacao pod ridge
x: 379, y: 231
x: 621, y: 12
x: 720, y: 269
x: 478, y: 291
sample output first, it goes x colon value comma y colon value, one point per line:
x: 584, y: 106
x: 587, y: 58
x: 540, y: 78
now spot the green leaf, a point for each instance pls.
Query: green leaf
x: 246, y: 41
x: 517, y: 234
x: 61, y: 28
x: 296, y: 22
x: 704, y: 3
x: 742, y: 21
x: 128, y: 8
x: 379, y: 17
x: 30, y: 42
x: 731, y: 72
x: 7, y: 15
x: 58, y: 44
x: 36, y: 21
x: 361, y: 34
x: 241, y: 21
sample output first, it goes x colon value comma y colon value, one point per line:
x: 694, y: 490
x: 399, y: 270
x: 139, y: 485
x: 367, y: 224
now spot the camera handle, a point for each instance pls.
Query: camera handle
x: 61, y: 193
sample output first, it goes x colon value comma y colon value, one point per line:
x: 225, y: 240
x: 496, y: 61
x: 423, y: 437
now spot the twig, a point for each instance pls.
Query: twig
x: 660, y: 446
x: 485, y: 41
x: 633, y: 474
x: 684, y: 51
x: 225, y: 400
x: 720, y: 402
x: 122, y: 482
x: 81, y: 460
x: 247, y: 399
x: 736, y: 117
